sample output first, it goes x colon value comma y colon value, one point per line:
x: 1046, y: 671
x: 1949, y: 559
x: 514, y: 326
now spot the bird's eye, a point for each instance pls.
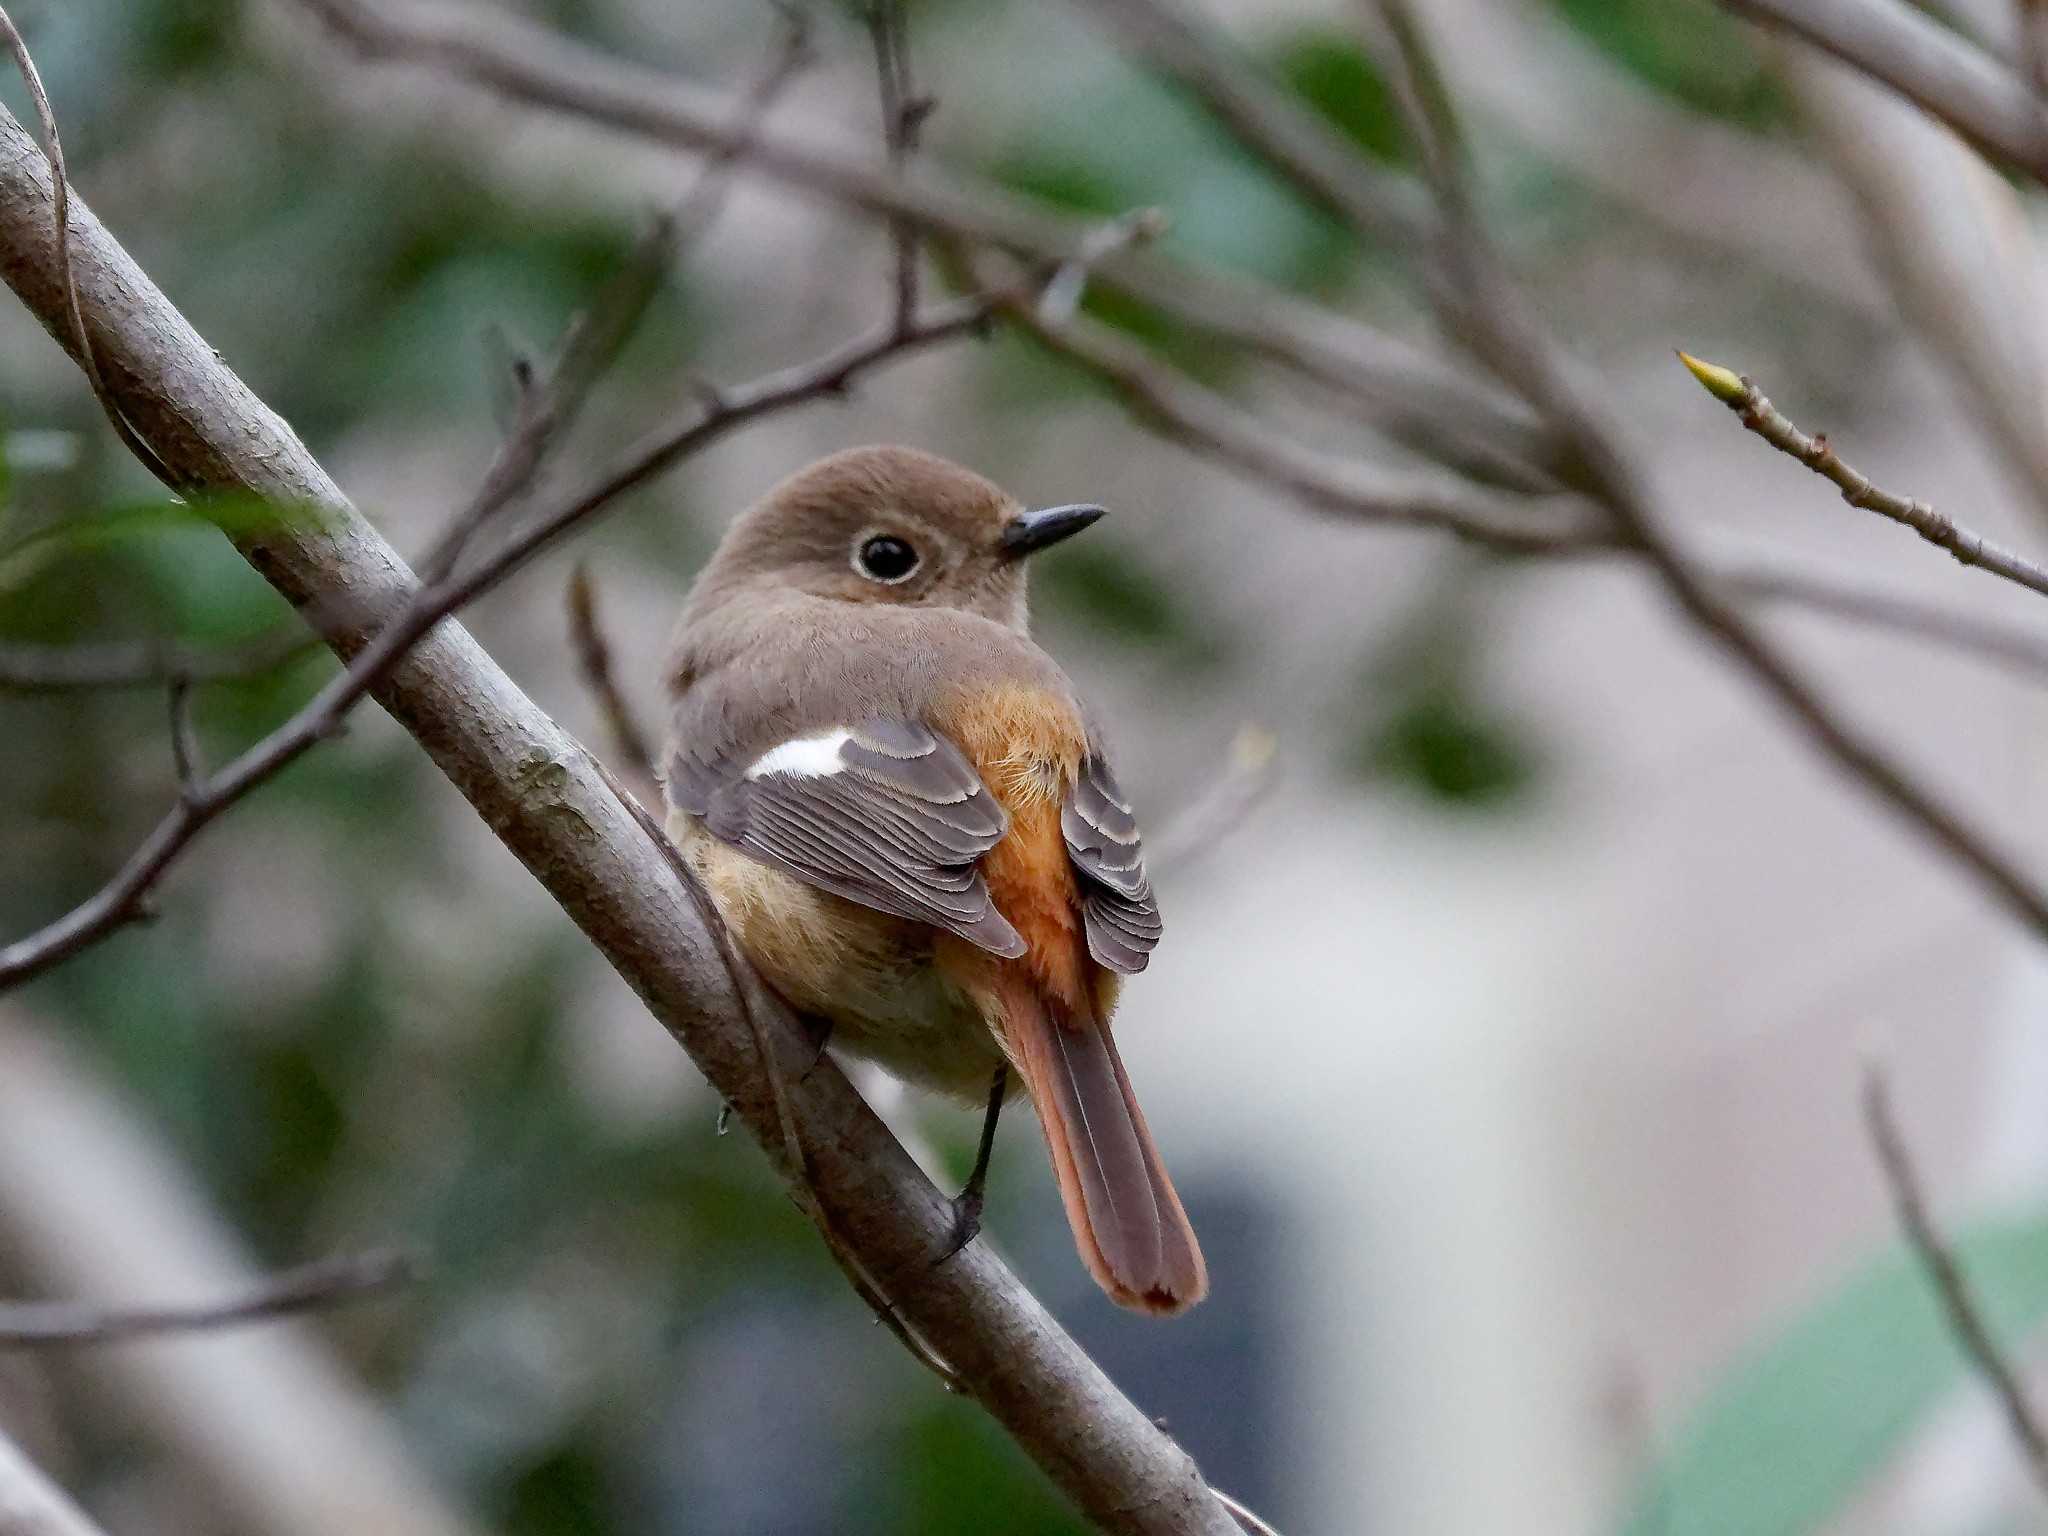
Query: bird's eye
x: 885, y: 558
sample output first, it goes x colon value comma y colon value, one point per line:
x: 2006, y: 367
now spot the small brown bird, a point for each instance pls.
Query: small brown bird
x: 898, y: 806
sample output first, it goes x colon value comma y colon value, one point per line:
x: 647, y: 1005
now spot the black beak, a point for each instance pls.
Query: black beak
x: 1033, y: 531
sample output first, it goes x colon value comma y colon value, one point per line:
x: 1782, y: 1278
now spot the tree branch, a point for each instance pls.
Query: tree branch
x: 32, y: 1505
x: 1538, y: 368
x: 594, y: 665
x: 551, y: 806
x: 2021, y: 648
x: 28, y: 668
x: 1414, y: 394
x: 1952, y: 1287
x: 1755, y: 411
x: 1930, y: 65
x: 1185, y: 412
x: 371, y: 655
x: 309, y: 1288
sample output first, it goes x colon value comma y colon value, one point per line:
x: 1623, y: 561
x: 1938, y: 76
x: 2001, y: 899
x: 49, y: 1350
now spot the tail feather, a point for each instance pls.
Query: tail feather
x: 1128, y: 1222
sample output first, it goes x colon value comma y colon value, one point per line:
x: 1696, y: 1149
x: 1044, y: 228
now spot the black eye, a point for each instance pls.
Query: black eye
x: 886, y: 558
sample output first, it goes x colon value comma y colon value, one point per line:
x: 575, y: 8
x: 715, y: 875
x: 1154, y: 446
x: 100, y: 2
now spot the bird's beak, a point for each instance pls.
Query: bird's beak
x: 1030, y: 532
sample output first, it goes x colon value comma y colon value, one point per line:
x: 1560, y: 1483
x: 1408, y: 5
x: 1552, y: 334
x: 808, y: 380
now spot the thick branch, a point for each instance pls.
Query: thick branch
x: 550, y: 804
x: 1755, y: 411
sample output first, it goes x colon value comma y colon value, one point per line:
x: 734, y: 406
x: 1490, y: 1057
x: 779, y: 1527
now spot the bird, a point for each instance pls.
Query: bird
x: 907, y: 821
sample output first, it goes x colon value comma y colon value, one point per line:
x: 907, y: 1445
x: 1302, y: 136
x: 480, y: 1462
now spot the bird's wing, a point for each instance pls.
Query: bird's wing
x: 1117, y: 905
x: 884, y: 813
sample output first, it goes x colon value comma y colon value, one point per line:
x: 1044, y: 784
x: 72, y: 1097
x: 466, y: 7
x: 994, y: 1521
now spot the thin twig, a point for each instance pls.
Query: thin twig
x: 120, y: 900
x: 594, y: 666
x: 1959, y: 1303
x: 31, y: 1504
x: 1249, y: 1523
x: 1185, y: 412
x: 185, y: 740
x: 1502, y: 327
x: 1931, y: 65
x: 60, y: 190
x: 2030, y: 18
x: 544, y: 410
x: 29, y: 668
x: 549, y: 805
x: 750, y: 994
x: 308, y: 1288
x: 1415, y: 394
x: 2023, y: 648
x: 1755, y: 411
x: 1247, y: 779
x: 903, y: 114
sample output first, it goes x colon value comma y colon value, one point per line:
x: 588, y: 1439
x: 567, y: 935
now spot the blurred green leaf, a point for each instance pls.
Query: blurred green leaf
x: 1691, y: 51
x: 1426, y: 721
x: 1794, y: 1429
x: 1441, y: 741
x: 1110, y: 591
x: 1123, y: 141
x: 955, y: 1460
x: 1329, y: 71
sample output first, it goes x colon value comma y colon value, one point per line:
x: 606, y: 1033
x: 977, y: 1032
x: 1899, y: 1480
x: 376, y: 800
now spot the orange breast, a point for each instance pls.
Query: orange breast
x: 1028, y: 745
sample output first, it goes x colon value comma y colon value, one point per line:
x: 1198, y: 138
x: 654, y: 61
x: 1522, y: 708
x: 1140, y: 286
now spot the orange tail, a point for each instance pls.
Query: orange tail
x: 1128, y: 1222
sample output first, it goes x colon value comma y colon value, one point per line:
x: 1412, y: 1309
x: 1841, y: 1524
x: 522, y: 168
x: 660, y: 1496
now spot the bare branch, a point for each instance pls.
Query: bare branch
x: 2031, y: 21
x: 1958, y: 1298
x: 1249, y: 1523
x: 1927, y: 63
x: 1413, y: 393
x: 53, y: 147
x: 1247, y: 779
x: 1177, y: 408
x: 1756, y: 412
x: 594, y: 666
x: 184, y: 741
x: 2019, y: 647
x: 27, y: 668
x: 121, y: 900
x: 551, y: 806
x: 309, y: 1288
x: 32, y: 1505
x: 903, y: 114
x: 1381, y: 205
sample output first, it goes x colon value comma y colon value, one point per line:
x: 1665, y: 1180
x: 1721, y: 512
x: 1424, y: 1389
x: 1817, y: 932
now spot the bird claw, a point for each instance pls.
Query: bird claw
x: 966, y: 1223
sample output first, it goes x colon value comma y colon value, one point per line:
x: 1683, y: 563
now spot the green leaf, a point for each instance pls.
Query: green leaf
x: 1794, y: 1430
x: 1690, y: 51
x: 1329, y: 71
x: 1443, y: 742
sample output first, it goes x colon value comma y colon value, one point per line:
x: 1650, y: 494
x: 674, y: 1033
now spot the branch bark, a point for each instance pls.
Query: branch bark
x: 549, y: 803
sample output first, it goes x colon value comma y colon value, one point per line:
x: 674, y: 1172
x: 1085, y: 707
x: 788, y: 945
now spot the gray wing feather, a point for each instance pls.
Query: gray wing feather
x: 900, y: 827
x: 1118, y: 909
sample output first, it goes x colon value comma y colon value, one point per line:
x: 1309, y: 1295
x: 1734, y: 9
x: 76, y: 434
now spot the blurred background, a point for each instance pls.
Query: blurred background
x: 1507, y: 1051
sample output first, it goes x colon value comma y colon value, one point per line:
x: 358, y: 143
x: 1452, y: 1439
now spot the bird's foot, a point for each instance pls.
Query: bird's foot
x: 966, y: 1222
x: 820, y: 1030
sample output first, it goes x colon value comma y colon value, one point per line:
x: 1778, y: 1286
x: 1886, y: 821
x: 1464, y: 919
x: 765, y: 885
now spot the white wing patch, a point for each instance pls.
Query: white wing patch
x: 807, y: 757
